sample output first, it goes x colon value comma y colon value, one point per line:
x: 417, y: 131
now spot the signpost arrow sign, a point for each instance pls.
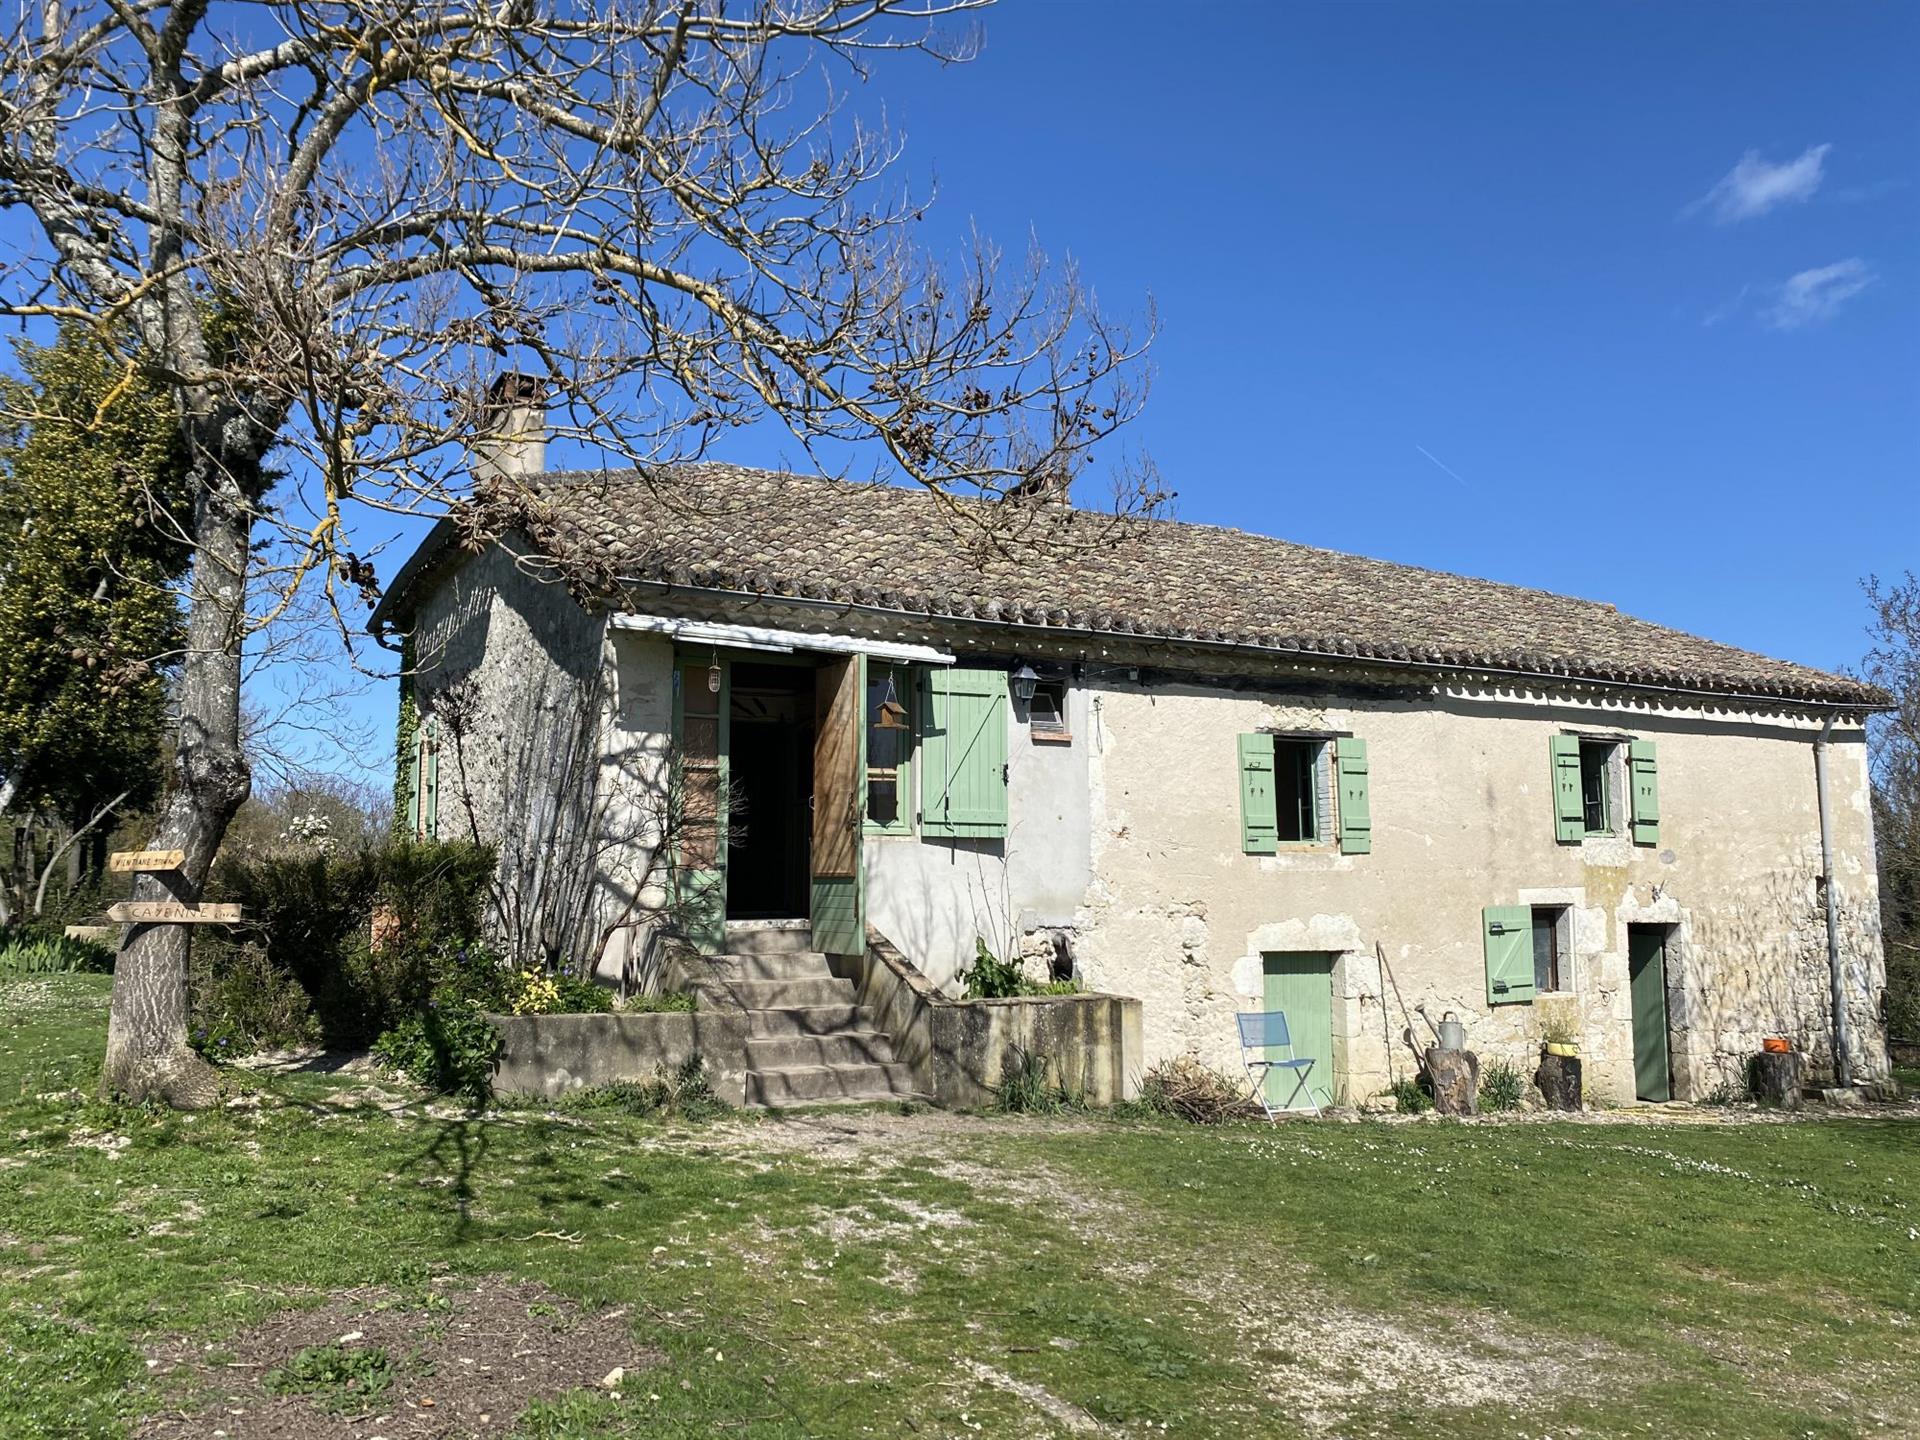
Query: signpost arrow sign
x: 124, y: 861
x: 172, y: 912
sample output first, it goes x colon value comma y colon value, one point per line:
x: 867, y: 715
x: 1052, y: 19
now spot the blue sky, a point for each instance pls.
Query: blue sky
x: 1615, y: 300
x: 1454, y: 285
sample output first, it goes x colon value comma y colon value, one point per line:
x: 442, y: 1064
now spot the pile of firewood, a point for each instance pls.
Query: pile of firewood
x: 1195, y: 1092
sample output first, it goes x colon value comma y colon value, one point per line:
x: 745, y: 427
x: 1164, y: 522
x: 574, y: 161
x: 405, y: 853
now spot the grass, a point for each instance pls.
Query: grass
x: 978, y: 1276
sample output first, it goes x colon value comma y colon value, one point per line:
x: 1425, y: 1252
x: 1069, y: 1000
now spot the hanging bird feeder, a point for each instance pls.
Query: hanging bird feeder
x: 890, y: 714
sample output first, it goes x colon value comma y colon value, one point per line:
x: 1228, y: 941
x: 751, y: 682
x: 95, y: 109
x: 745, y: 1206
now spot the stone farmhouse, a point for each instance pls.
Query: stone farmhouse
x: 1202, y: 768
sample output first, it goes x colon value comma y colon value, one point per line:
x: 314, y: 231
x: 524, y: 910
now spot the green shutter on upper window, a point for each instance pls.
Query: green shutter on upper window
x: 410, y: 818
x: 1506, y: 934
x: 963, y: 753
x: 1356, y: 806
x: 431, y: 808
x: 1569, y: 816
x: 1643, y: 771
x: 1259, y: 819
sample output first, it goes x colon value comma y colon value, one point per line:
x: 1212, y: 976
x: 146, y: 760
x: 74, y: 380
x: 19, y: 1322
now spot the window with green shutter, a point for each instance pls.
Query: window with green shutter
x: 430, y: 799
x: 1506, y: 933
x: 1356, y: 806
x: 1643, y: 771
x: 1259, y: 823
x: 1569, y: 813
x: 963, y: 753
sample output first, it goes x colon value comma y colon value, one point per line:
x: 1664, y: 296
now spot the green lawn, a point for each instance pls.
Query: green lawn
x: 931, y: 1275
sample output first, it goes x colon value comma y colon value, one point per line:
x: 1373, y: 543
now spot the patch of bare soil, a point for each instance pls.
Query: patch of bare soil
x: 466, y: 1364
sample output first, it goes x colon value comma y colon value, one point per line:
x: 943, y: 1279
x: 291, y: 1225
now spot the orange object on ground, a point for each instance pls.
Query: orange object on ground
x: 1776, y: 1045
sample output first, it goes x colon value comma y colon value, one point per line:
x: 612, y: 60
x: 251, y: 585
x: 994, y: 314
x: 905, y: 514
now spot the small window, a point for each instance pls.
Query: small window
x: 1596, y: 786
x: 1552, y: 948
x: 889, y: 747
x: 1296, y: 788
x: 1047, y: 713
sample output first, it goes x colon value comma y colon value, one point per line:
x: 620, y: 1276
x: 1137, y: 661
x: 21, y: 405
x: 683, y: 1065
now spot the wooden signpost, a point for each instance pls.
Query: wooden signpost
x: 171, y: 912
x: 146, y: 861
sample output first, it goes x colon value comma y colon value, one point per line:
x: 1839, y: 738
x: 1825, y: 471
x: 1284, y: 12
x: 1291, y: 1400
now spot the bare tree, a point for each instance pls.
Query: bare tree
x: 1893, y: 663
x: 327, y: 224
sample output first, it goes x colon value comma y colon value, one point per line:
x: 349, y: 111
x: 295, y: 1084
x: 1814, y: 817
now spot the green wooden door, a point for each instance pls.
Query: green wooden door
x: 698, y: 809
x: 1300, y: 985
x: 1647, y: 979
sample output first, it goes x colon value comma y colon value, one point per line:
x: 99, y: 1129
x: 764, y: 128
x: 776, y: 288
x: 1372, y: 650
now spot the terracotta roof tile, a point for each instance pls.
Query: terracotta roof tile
x: 725, y: 527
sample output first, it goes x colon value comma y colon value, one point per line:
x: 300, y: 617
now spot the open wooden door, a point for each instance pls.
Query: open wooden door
x: 839, y: 926
x: 699, y: 809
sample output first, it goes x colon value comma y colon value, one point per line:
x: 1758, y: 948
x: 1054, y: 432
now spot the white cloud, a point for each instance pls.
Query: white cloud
x: 1814, y: 296
x: 1755, y: 186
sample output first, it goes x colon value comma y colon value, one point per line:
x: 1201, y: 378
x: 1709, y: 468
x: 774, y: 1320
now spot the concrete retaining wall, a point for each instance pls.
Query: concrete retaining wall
x: 958, y: 1049
x: 551, y: 1054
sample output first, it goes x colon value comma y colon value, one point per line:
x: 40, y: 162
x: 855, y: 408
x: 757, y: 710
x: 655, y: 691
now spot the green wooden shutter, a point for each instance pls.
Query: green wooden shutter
x: 410, y: 820
x: 963, y: 753
x: 1259, y: 819
x: 1356, y: 808
x: 1643, y: 770
x: 430, y: 817
x: 1506, y: 931
x: 1569, y: 816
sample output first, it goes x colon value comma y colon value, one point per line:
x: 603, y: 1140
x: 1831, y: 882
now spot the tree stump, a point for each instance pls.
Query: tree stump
x: 1558, y: 1079
x: 1774, y: 1078
x: 1456, y: 1080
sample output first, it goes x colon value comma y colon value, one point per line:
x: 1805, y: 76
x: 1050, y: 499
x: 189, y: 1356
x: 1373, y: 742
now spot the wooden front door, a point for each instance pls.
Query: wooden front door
x: 1299, y: 983
x: 1647, y: 980
x: 834, y: 861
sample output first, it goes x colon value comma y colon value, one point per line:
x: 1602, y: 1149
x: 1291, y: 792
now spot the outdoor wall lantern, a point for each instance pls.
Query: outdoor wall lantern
x: 713, y: 674
x: 1025, y: 679
x: 890, y: 714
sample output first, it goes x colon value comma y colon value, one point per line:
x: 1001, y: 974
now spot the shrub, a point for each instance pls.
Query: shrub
x: 312, y: 914
x: 668, y: 1002
x: 1026, y: 1089
x: 990, y: 977
x: 1409, y: 1098
x: 243, y: 1002
x: 537, y: 992
x: 684, y: 1092
x: 25, y: 952
x: 448, y: 1048
x: 1502, y: 1087
x: 581, y: 997
x: 1188, y: 1090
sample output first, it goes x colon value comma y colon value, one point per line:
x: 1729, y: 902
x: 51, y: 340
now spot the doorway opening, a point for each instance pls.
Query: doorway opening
x: 770, y: 790
x: 1647, y: 984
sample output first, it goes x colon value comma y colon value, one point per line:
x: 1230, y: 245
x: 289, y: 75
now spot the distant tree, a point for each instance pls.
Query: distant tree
x: 1894, y: 664
x: 93, y: 505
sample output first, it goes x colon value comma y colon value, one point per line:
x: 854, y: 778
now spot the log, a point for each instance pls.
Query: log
x: 1774, y: 1078
x: 1456, y: 1080
x: 1558, y: 1080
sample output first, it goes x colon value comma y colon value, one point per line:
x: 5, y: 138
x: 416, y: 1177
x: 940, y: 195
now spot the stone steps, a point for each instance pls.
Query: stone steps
x: 809, y: 1043
x: 842, y: 1047
x: 788, y: 994
x: 773, y: 965
x: 829, y: 1084
x: 768, y: 937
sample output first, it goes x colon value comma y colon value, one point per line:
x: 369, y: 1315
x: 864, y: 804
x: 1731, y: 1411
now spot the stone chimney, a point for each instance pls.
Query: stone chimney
x: 513, y: 438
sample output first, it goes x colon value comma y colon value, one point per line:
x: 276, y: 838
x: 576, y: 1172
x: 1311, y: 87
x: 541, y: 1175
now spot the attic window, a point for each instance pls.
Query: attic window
x: 1047, y: 713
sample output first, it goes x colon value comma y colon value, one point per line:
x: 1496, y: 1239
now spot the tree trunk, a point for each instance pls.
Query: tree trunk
x: 148, y: 1057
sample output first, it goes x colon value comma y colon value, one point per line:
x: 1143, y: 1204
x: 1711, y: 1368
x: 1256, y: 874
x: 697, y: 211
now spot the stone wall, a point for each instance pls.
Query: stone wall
x: 1461, y: 810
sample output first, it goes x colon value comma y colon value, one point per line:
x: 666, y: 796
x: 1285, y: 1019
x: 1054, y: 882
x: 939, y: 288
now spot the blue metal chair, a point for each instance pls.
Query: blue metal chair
x: 1261, y: 1033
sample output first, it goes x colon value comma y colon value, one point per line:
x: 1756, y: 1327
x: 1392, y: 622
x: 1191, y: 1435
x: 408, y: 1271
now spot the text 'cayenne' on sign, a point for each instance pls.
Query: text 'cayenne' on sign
x: 171, y: 912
